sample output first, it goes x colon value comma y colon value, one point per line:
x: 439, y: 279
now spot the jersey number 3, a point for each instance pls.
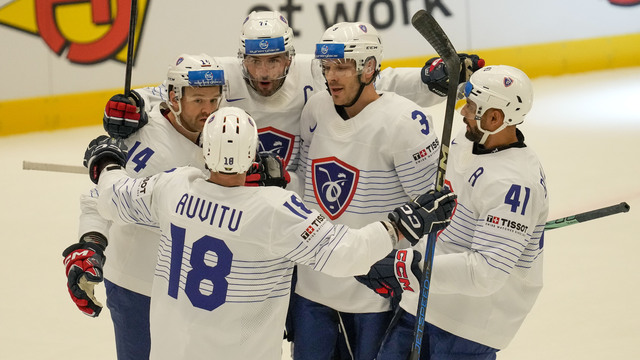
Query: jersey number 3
x: 210, y: 259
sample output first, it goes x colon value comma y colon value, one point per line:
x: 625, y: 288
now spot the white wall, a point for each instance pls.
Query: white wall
x: 194, y: 26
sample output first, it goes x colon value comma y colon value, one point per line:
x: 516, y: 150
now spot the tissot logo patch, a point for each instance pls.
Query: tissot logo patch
x: 276, y: 142
x: 334, y: 184
x: 506, y: 224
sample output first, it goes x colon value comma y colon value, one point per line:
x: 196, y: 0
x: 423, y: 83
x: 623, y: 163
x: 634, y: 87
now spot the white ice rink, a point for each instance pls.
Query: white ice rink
x: 586, y: 129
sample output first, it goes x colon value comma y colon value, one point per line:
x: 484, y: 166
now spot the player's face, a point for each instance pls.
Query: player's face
x: 342, y: 79
x: 197, y: 104
x: 267, y: 72
x: 468, y: 111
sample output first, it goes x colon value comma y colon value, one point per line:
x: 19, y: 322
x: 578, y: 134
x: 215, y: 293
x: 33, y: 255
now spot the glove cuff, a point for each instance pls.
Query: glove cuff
x: 96, y: 238
x: 392, y: 230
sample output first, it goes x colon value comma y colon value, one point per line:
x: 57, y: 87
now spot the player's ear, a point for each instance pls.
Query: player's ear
x: 369, y: 69
x: 173, y: 99
x: 496, y: 118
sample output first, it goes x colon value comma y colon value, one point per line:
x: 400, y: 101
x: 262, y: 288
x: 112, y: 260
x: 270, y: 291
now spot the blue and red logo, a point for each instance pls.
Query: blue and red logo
x: 334, y: 184
x: 276, y: 142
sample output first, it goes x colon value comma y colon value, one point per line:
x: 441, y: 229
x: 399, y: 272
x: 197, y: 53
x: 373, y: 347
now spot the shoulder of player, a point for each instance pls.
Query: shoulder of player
x: 506, y: 171
x: 400, y: 113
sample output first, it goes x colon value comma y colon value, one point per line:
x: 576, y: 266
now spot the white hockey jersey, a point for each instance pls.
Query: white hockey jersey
x: 132, y: 250
x: 226, y: 257
x: 487, y: 269
x: 357, y: 171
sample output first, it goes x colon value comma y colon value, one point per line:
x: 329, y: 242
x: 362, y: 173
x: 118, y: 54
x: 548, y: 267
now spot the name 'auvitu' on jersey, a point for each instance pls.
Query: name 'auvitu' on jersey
x: 226, y: 257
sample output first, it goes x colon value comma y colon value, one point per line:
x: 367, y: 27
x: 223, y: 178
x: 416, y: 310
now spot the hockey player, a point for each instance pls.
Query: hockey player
x: 196, y: 87
x: 227, y: 251
x: 364, y: 153
x: 487, y: 269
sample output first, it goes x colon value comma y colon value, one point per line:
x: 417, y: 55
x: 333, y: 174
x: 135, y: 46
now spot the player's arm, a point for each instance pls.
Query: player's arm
x: 338, y: 250
x: 122, y: 199
x: 427, y: 86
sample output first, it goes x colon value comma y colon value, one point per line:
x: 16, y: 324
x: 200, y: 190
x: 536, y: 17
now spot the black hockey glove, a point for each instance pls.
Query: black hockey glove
x: 103, y: 151
x: 83, y: 267
x: 397, y: 272
x: 123, y: 115
x: 436, y: 76
x: 267, y: 170
x: 427, y: 213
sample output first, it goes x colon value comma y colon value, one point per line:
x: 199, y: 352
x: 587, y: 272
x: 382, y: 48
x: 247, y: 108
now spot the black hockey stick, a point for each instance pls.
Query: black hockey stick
x: 130, y: 47
x: 586, y: 216
x: 429, y: 28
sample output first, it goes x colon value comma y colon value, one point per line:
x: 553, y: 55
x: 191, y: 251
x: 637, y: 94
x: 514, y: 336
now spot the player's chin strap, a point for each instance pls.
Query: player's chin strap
x: 360, y: 90
x: 486, y: 133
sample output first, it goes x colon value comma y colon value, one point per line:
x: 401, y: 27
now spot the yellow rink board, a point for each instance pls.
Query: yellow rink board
x: 557, y: 58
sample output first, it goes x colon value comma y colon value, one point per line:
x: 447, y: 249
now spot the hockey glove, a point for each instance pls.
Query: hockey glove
x: 436, y: 76
x: 397, y: 272
x: 103, y: 151
x: 123, y: 115
x: 427, y: 213
x: 83, y: 266
x: 267, y: 170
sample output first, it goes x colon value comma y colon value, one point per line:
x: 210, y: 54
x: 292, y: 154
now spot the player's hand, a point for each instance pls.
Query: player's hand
x: 123, y: 115
x: 267, y: 170
x: 103, y: 151
x: 83, y: 267
x: 436, y: 76
x: 396, y: 273
x: 427, y: 213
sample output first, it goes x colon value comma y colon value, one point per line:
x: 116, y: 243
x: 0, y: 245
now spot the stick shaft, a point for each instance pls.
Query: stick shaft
x: 586, y: 216
x: 429, y: 28
x: 71, y: 169
x: 130, y: 46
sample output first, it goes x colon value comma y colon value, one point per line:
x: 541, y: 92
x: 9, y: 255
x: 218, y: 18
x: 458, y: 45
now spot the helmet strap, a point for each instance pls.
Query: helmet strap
x: 486, y: 133
x: 362, y: 86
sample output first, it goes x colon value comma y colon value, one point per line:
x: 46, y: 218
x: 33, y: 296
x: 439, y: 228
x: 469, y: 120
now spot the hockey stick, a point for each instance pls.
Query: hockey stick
x: 71, y: 169
x: 428, y: 27
x: 623, y: 207
x: 130, y: 47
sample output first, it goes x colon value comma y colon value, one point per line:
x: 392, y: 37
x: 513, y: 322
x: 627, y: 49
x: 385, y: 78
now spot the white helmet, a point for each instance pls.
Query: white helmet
x: 196, y: 71
x: 265, y: 33
x: 356, y: 40
x: 229, y: 141
x: 501, y: 87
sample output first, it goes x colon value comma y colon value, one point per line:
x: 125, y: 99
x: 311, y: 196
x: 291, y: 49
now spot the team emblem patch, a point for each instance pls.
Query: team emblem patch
x: 507, y: 81
x: 334, y: 184
x: 276, y: 142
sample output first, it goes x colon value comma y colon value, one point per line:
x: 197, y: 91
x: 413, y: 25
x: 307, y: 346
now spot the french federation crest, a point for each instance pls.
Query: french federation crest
x: 276, y: 142
x: 334, y: 184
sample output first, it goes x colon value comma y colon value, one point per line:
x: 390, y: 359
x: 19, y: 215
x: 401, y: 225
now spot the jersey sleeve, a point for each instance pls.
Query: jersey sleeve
x: 415, y: 151
x: 153, y: 95
x: 127, y: 200
x: 506, y: 237
x: 308, y: 237
x: 408, y: 83
x: 90, y: 220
